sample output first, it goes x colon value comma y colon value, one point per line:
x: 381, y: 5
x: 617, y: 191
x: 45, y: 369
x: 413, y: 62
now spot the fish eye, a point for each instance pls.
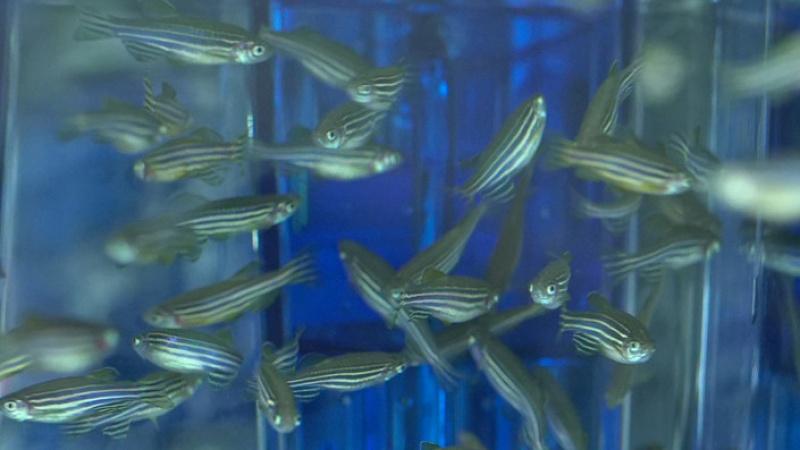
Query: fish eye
x: 364, y: 89
x: 634, y: 347
x: 259, y: 50
x: 10, y: 405
x: 331, y: 135
x: 551, y: 289
x: 137, y: 340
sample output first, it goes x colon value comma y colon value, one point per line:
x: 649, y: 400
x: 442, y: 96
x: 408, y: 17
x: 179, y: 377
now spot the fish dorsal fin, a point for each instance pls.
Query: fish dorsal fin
x: 248, y: 271
x: 309, y: 360
x: 298, y: 135
x: 225, y: 336
x: 599, y: 302
x: 106, y: 374
x: 157, y: 8
x: 206, y: 135
x: 430, y: 275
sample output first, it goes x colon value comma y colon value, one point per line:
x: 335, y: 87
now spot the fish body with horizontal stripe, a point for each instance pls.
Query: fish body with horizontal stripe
x: 221, y: 219
x: 153, y: 241
x: 329, y: 61
x: 65, y: 399
x: 189, y: 351
x: 166, y: 108
x: 378, y: 88
x: 182, y: 39
x: 511, y: 149
x: 227, y: 300
x: 350, y: 125
x: 451, y: 299
x: 603, y: 111
x: 347, y: 373
x: 128, y: 128
x: 550, y: 287
x: 615, y: 334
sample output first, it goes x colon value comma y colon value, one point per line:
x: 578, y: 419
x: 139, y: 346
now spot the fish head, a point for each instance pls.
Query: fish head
x: 283, y: 421
x: 539, y: 106
x: 142, y: 170
x: 329, y: 135
x: 386, y: 161
x: 161, y: 318
x: 255, y: 51
x: 140, y: 344
x: 635, y: 351
x: 17, y: 409
x: 288, y: 205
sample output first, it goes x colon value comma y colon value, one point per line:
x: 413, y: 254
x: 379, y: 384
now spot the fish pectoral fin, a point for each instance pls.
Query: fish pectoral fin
x: 143, y: 52
x: 162, y: 402
x: 585, y: 344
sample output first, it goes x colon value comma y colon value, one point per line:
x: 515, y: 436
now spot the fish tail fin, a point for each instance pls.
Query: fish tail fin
x: 301, y: 269
x: 94, y: 26
x: 557, y: 154
x: 619, y: 264
x: 420, y: 334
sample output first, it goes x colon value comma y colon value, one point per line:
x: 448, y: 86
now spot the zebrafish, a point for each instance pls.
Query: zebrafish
x: 331, y: 62
x: 378, y: 88
x: 177, y: 38
x: 115, y: 422
x: 615, y: 334
x: 128, y: 128
x: 61, y: 344
x: 678, y: 248
x: 13, y: 362
x: 698, y: 161
x: 615, y: 213
x: 561, y: 412
x: 350, y: 125
x: 776, y: 74
x: 764, y: 189
x: 442, y: 255
x: 332, y: 164
x: 189, y: 351
x: 601, y: 115
x: 550, y: 287
x: 273, y: 394
x: 511, y: 149
x: 510, y: 379
x: 346, y: 373
x: 230, y: 299
x: 685, y: 209
x: 505, y: 257
x: 221, y: 219
x: 65, y: 399
x: 202, y: 154
x: 448, y: 298
x: 624, y: 163
x: 370, y: 274
x: 166, y: 108
x: 154, y: 241
x: 778, y: 251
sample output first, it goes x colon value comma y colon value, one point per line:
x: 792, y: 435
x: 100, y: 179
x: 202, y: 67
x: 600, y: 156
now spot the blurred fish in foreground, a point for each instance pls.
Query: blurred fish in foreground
x: 561, y: 413
x: 116, y: 421
x: 763, y: 189
x: 60, y: 345
x: 602, y: 112
x: 777, y: 75
x: 682, y: 210
x: 698, y: 160
x: 615, y: 214
x: 611, y: 332
x: 274, y: 396
x: 346, y: 373
x: 177, y: 38
x: 153, y: 241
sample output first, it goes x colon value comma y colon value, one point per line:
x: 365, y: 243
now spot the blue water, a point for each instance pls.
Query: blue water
x: 722, y: 377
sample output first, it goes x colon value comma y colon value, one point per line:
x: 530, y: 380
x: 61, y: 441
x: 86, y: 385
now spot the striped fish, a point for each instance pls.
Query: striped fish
x: 695, y: 158
x: 678, y: 248
x: 511, y: 149
x: 350, y: 125
x: 378, y: 88
x: 227, y: 300
x: 66, y: 399
x: 273, y: 394
x: 181, y: 39
x: 776, y: 74
x: 13, y: 363
x: 615, y: 334
x: 561, y: 412
x: 333, y: 164
x: 370, y: 274
x: 442, y: 255
x: 115, y: 422
x: 126, y: 127
x: 62, y: 345
x: 623, y: 163
x: 602, y: 113
x: 331, y: 62
x: 550, y: 287
x: 189, y: 351
x: 505, y: 258
x: 155, y: 241
x: 221, y: 219
x: 615, y: 214
x: 201, y: 154
x: 685, y: 209
x: 166, y: 108
x: 448, y: 298
x: 347, y: 373
x: 510, y: 379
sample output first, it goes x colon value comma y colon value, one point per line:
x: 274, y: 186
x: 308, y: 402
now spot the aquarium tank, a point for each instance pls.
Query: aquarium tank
x: 400, y: 224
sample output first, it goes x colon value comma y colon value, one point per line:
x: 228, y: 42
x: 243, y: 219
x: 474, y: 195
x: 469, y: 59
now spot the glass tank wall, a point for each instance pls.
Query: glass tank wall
x: 722, y: 376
